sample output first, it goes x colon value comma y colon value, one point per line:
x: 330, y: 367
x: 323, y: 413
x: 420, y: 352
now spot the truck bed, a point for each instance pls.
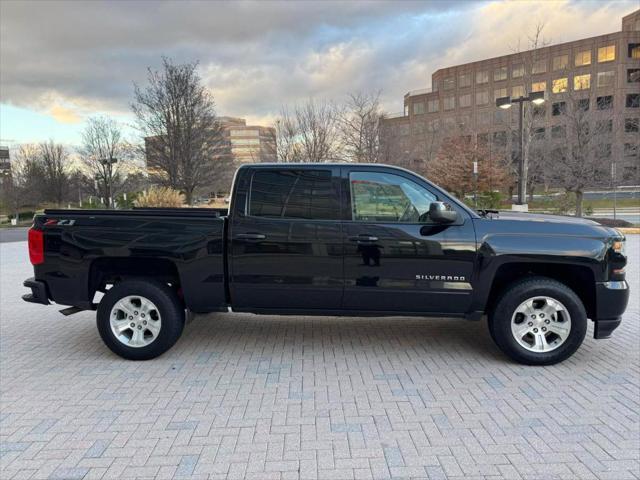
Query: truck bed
x: 83, y: 246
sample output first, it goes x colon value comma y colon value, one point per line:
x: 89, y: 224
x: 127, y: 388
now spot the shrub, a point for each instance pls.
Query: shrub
x: 160, y: 197
x: 610, y: 222
x: 26, y: 215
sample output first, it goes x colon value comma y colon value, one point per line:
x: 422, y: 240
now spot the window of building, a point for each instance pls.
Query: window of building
x: 632, y: 125
x: 418, y: 128
x: 560, y: 62
x: 465, y: 100
x: 385, y: 197
x: 558, y: 108
x: 559, y: 85
x: 606, y: 54
x: 538, y: 133
x: 482, y: 77
x: 449, y: 103
x: 296, y: 194
x: 464, y: 121
x: 539, y: 66
x: 483, y: 118
x: 558, y: 131
x: 239, y: 142
x: 464, y: 80
x: 449, y: 123
x: 633, y: 75
x: 517, y: 71
x: 244, y: 133
x: 583, y: 58
x: 449, y: 83
x: 482, y: 97
x: 517, y: 91
x: 500, y: 116
x: 499, y: 93
x: 418, y: 108
x: 500, y: 73
x: 630, y: 149
x: 603, y: 150
x: 633, y: 100
x: 432, y: 105
x: 539, y: 111
x: 606, y: 79
x: 433, y: 125
x: 604, y: 126
x: 582, y: 82
x: 633, y: 50
x: 605, y: 102
x: 582, y: 105
x: 538, y: 86
x: 500, y: 139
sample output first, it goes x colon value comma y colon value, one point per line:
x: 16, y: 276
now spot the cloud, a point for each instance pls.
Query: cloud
x: 72, y: 59
x: 64, y: 115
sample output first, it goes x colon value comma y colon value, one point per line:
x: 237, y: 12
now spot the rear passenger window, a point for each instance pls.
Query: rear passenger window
x: 302, y: 194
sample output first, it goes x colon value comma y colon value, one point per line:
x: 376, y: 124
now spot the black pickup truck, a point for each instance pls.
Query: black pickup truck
x: 333, y: 239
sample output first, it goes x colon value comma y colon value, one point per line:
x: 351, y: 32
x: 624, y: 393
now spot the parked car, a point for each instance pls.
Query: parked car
x: 333, y: 239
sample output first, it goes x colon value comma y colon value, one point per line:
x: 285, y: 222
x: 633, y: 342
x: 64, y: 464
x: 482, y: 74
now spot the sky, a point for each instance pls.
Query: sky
x: 64, y: 61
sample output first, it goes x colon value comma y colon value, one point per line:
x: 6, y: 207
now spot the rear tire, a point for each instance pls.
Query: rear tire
x: 538, y: 321
x: 140, y: 319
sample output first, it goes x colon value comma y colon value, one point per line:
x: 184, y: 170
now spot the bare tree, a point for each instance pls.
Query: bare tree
x: 105, y: 153
x: 310, y: 134
x: 360, y: 126
x: 54, y: 161
x: 287, y: 143
x: 580, y: 147
x: 24, y: 184
x: 176, y: 115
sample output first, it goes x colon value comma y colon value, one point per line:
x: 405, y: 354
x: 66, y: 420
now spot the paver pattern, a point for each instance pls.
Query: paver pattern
x: 248, y: 397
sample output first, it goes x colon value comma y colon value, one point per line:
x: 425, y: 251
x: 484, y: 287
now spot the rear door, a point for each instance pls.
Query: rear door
x: 286, y: 240
x: 396, y: 258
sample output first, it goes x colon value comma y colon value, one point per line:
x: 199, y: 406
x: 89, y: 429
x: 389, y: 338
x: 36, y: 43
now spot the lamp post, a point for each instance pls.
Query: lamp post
x: 537, y: 98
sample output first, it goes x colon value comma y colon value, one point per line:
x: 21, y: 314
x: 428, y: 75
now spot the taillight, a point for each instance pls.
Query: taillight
x: 36, y: 246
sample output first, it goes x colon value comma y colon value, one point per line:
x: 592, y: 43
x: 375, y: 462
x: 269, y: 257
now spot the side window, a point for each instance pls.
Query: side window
x: 296, y: 194
x: 385, y: 197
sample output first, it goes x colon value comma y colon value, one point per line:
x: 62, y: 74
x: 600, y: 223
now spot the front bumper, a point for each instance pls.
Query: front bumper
x: 38, y: 291
x: 611, y: 301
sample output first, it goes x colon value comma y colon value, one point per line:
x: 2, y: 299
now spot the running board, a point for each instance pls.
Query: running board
x: 71, y: 310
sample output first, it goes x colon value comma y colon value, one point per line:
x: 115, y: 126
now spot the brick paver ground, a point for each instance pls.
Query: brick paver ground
x: 242, y: 396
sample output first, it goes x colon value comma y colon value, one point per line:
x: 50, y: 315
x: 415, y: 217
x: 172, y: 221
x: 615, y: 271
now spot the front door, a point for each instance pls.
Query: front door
x: 286, y: 241
x: 396, y: 258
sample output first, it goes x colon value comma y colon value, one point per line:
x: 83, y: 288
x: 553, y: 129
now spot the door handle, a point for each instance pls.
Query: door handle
x: 364, y: 238
x: 250, y: 236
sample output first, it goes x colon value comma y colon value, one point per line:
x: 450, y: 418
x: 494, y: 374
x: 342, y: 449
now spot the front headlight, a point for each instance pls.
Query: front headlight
x: 619, y: 246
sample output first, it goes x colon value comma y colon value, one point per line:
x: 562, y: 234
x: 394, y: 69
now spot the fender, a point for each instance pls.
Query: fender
x: 496, y: 250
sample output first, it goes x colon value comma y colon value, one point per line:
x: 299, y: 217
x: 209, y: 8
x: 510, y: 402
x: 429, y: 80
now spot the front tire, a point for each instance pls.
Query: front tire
x: 140, y: 319
x: 538, y: 321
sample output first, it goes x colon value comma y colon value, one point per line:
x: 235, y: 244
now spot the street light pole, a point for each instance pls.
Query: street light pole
x: 536, y: 98
x: 522, y: 168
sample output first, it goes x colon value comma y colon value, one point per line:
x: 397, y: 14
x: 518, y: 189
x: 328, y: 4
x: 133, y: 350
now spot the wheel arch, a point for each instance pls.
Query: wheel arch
x: 578, y: 278
x: 111, y: 270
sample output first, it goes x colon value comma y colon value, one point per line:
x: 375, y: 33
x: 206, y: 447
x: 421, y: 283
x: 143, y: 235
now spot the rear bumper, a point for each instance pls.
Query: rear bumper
x: 38, y: 291
x: 611, y: 301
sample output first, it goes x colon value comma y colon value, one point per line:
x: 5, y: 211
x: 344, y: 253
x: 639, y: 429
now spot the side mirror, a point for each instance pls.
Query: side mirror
x: 440, y: 212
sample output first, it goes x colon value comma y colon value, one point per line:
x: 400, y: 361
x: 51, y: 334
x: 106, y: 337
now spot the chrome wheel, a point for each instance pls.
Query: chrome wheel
x: 541, y: 324
x: 135, y: 321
